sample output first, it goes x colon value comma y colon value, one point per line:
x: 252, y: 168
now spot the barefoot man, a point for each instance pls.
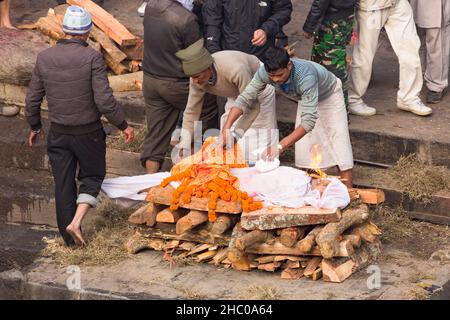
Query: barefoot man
x: 73, y: 78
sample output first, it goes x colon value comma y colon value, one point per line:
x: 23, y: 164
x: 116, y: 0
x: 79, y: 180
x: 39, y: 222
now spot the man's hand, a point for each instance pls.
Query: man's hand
x: 259, y: 38
x: 128, y: 134
x: 272, y: 152
x: 307, y: 35
x: 34, y: 136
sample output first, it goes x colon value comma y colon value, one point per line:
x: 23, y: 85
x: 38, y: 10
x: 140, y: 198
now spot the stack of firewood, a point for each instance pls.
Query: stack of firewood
x: 123, y: 52
x: 301, y: 242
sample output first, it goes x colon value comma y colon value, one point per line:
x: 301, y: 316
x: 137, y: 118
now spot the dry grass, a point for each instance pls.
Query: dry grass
x: 256, y: 292
x: 394, y: 222
x: 418, y: 294
x: 417, y: 180
x: 117, y: 142
x: 105, y: 243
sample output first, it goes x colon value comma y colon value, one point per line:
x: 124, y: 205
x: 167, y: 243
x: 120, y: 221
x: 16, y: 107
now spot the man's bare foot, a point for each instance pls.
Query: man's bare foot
x: 75, y: 233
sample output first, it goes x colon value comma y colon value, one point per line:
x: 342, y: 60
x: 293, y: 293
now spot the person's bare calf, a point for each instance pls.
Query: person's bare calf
x: 152, y: 166
x: 5, y: 20
x: 74, y: 228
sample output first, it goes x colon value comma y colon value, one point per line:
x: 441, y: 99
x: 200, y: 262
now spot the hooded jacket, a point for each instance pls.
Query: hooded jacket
x: 327, y: 10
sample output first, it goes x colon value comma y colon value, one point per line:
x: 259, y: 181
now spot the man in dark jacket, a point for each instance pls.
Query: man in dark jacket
x: 250, y: 26
x: 73, y: 78
x: 331, y: 22
x: 168, y: 28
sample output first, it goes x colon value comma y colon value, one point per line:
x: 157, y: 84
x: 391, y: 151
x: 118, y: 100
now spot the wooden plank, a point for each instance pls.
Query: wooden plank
x: 187, y: 245
x: 280, y: 217
x: 117, y: 68
x: 173, y: 244
x: 167, y: 232
x: 292, y: 274
x: 107, y: 23
x: 292, y: 265
x: 108, y: 45
x: 135, y: 52
x: 369, y: 196
x: 163, y: 196
x: 312, y: 265
x: 278, y: 249
x: 265, y: 259
x: 199, y: 248
x: 205, y: 256
x: 317, y: 274
x: 220, y: 256
x: 126, y: 82
x: 332, y: 273
x: 193, y: 219
x: 270, y: 267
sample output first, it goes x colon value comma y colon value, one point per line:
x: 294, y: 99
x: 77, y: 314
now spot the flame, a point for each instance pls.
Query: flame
x: 316, y: 159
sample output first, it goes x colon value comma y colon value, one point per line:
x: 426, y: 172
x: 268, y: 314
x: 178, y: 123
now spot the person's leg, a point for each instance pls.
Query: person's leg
x: 347, y: 177
x: 64, y: 165
x: 330, y: 48
x: 5, y: 20
x: 162, y: 117
x: 369, y: 24
x: 436, y: 74
x: 402, y: 33
x: 90, y: 151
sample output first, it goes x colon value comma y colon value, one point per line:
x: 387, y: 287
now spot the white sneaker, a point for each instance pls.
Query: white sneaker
x: 416, y: 107
x: 361, y: 109
x: 9, y: 111
x: 141, y: 10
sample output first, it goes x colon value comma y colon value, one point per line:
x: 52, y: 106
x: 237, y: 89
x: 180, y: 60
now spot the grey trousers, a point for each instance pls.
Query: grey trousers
x: 436, y: 44
x: 164, y: 101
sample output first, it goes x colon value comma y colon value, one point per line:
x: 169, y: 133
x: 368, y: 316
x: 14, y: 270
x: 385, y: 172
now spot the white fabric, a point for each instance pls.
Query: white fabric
x: 290, y: 187
x: 401, y: 30
x: 263, y: 131
x: 128, y: 187
x: 188, y: 4
x: 330, y: 132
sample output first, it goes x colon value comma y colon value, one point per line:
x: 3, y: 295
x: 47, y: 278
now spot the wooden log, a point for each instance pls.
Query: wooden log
x: 187, y: 245
x: 307, y: 243
x: 289, y: 236
x: 280, y: 217
x: 107, y: 23
x: 220, y: 256
x: 126, y: 82
x: 364, y: 232
x: 94, y: 45
x: 193, y: 219
x: 369, y: 196
x: 117, y: 68
x: 163, y: 196
x: 292, y: 274
x: 149, y: 215
x: 292, y: 264
x: 317, y: 274
x: 138, y: 217
x: 50, y: 28
x: 135, y: 52
x: 133, y: 65
x: 327, y: 239
x: 312, y: 265
x: 265, y: 259
x: 205, y: 256
x: 333, y: 273
x: 166, y: 231
x: 223, y: 223
x: 108, y: 45
x: 251, y: 238
x: 136, y: 243
x: 270, y: 267
x: 169, y: 216
x: 354, y: 239
x: 238, y: 258
x: 171, y: 245
x: 344, y: 249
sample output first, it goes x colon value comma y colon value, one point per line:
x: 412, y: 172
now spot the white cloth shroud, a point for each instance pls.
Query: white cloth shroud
x: 284, y: 186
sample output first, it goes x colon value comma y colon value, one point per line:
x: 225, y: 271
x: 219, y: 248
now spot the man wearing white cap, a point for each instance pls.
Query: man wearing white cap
x: 72, y: 76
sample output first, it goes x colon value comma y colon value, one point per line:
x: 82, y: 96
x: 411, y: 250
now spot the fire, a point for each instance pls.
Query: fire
x: 316, y: 159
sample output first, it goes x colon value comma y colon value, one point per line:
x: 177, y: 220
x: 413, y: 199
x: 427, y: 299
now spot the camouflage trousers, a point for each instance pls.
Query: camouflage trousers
x: 329, y: 48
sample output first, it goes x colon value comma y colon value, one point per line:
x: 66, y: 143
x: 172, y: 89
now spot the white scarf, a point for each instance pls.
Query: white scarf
x: 188, y: 4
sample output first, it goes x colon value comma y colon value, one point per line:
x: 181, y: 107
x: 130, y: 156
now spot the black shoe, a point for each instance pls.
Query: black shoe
x: 435, y: 97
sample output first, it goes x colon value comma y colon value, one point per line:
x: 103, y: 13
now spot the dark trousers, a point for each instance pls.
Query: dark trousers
x: 164, y: 101
x: 66, y: 153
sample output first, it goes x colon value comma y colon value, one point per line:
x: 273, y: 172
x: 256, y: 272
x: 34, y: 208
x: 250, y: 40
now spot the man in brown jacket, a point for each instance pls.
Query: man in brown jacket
x: 73, y: 78
x: 168, y: 28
